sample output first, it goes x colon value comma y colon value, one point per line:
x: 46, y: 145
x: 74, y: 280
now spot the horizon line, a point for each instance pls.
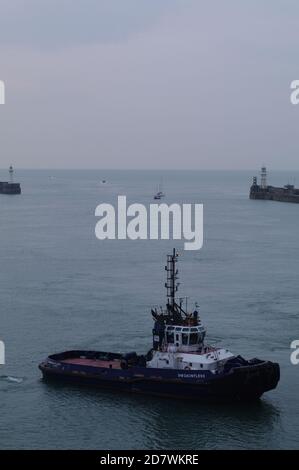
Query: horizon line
x: 142, y: 169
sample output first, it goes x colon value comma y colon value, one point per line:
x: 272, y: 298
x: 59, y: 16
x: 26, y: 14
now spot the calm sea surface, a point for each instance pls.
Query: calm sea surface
x: 61, y: 288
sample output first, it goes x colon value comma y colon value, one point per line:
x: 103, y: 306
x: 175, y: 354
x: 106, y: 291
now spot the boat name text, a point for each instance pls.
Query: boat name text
x: 191, y: 376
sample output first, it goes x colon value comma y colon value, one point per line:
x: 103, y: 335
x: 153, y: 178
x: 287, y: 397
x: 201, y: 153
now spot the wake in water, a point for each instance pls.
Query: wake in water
x: 9, y: 378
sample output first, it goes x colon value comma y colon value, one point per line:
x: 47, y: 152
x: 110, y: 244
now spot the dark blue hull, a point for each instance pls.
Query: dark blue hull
x: 248, y: 382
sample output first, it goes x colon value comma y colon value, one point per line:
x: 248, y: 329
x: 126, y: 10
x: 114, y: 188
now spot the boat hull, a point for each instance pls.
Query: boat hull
x: 238, y: 384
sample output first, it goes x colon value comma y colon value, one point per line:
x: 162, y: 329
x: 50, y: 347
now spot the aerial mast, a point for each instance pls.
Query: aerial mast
x: 172, y: 277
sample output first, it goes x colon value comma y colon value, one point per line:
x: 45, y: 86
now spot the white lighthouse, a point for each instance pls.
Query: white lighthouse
x: 264, y: 178
x: 11, y: 170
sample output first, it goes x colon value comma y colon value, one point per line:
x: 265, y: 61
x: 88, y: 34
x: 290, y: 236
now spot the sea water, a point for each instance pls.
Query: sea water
x: 61, y: 288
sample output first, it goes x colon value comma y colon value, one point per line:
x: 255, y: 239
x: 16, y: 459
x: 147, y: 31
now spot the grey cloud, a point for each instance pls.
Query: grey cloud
x: 55, y: 23
x: 205, y: 86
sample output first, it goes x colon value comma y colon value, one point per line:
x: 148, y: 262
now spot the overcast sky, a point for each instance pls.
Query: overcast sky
x: 149, y: 83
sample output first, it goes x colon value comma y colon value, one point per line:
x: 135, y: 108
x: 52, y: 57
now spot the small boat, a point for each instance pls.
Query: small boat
x: 179, y: 364
x: 159, y: 194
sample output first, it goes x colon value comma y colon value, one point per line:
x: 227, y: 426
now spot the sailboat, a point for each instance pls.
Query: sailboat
x: 159, y: 194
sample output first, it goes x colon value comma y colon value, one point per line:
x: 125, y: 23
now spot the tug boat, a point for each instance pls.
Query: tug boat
x: 179, y: 364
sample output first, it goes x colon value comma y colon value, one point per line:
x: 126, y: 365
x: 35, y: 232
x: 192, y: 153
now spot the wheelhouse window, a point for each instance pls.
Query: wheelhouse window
x: 185, y: 338
x: 193, y: 338
x: 170, y: 337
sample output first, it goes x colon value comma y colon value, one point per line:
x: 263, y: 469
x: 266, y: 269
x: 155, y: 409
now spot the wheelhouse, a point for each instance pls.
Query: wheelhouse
x: 184, y: 338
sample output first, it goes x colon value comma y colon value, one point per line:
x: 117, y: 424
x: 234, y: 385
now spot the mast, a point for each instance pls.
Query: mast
x: 172, y: 277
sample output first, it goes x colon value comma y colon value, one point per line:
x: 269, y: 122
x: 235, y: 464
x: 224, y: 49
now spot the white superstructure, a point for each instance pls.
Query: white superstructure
x: 178, y: 336
x: 183, y: 348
